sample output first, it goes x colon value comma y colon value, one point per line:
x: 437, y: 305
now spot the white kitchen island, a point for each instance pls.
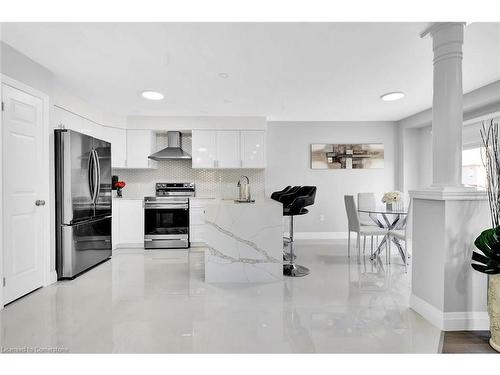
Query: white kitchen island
x: 244, y: 242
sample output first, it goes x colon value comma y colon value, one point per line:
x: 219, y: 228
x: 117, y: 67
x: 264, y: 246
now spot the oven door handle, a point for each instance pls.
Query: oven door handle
x: 165, y: 206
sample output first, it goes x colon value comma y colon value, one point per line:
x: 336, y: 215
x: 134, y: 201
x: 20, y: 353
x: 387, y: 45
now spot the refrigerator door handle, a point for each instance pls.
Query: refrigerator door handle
x: 94, y: 177
x: 90, y: 175
x: 98, y: 174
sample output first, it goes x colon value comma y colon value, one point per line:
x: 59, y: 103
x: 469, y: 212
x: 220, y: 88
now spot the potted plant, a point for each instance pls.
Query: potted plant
x: 391, y: 198
x: 488, y: 242
x: 119, y: 185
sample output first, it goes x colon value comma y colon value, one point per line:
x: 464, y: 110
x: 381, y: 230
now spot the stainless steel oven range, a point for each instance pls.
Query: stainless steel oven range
x: 166, y: 216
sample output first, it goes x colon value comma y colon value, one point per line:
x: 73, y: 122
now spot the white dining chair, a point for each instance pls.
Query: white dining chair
x: 355, y: 226
x: 402, y: 234
x: 366, y: 200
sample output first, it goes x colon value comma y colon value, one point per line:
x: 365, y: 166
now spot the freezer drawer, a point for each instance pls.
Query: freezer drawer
x: 82, y: 246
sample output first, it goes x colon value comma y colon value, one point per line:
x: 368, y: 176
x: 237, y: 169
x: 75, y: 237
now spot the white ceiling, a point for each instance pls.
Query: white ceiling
x: 284, y: 71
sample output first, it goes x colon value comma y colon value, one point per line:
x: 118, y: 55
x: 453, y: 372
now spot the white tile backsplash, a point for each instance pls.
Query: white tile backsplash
x: 210, y: 183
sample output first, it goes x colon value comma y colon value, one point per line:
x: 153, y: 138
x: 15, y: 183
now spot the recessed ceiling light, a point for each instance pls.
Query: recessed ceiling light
x: 391, y: 96
x: 223, y: 75
x: 152, y: 95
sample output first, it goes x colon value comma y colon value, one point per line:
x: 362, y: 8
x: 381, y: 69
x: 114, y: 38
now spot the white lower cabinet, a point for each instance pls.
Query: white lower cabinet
x: 196, y: 220
x: 196, y: 234
x: 128, y: 223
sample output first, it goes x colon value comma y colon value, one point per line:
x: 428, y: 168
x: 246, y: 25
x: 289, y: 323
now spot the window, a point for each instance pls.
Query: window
x: 473, y: 171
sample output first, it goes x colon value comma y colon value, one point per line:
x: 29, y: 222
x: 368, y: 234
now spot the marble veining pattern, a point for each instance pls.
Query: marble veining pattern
x: 244, y: 242
x: 263, y: 252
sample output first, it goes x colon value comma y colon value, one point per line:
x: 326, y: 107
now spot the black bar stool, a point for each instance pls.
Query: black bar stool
x: 285, y: 197
x: 294, y: 205
x: 277, y: 194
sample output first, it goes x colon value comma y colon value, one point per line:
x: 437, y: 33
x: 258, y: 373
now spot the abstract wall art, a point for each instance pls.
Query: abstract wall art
x: 347, y: 156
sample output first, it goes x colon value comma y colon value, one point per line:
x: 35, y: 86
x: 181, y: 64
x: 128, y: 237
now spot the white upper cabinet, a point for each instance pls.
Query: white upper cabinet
x: 253, y: 149
x: 228, y: 149
x: 140, y: 144
x: 119, y: 148
x: 204, y: 150
x: 118, y: 139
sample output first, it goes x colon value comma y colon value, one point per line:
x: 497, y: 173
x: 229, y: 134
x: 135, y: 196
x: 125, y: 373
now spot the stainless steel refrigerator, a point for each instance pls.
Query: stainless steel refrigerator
x: 83, y: 202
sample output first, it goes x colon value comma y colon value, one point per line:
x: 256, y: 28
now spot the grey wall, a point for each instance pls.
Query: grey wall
x: 19, y: 67
x: 425, y: 157
x: 288, y: 163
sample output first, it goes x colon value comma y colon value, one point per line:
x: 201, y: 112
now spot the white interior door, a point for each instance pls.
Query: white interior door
x: 22, y: 136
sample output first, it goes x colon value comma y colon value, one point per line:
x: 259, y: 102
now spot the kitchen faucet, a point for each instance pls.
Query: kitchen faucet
x: 239, y: 182
x: 244, y: 189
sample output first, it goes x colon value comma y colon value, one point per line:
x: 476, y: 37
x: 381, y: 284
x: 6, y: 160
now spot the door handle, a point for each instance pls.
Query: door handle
x: 98, y: 175
x: 90, y: 175
x: 39, y: 202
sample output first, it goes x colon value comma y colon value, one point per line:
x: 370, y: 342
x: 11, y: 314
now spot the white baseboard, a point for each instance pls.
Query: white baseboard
x: 466, y: 321
x: 318, y: 235
x: 450, y: 321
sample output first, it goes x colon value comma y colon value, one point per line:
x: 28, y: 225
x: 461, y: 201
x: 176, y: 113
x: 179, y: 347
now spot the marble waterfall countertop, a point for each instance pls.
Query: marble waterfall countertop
x: 244, y: 241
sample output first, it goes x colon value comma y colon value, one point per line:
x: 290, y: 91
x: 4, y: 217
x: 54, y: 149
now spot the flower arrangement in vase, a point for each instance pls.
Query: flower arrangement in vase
x: 119, y: 185
x: 391, y: 198
x: 488, y: 242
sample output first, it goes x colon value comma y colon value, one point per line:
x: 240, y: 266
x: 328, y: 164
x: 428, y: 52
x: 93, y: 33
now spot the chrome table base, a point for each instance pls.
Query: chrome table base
x: 390, y: 225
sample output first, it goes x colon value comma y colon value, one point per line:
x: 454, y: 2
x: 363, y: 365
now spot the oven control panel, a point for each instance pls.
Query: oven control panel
x: 167, y: 189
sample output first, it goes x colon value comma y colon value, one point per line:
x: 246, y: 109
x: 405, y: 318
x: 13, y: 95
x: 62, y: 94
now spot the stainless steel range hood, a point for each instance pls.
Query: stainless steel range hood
x: 173, y: 150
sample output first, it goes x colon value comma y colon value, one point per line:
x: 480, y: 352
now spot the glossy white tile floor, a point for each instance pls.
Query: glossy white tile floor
x: 156, y: 301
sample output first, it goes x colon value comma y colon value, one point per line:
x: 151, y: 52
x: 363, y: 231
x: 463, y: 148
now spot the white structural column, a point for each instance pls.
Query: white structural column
x: 447, y: 103
x: 446, y: 216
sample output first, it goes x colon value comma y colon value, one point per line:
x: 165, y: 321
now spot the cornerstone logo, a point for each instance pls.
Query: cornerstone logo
x: 34, y: 349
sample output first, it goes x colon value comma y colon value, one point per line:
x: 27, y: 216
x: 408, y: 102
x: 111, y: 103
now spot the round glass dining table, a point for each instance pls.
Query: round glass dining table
x: 390, y: 219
